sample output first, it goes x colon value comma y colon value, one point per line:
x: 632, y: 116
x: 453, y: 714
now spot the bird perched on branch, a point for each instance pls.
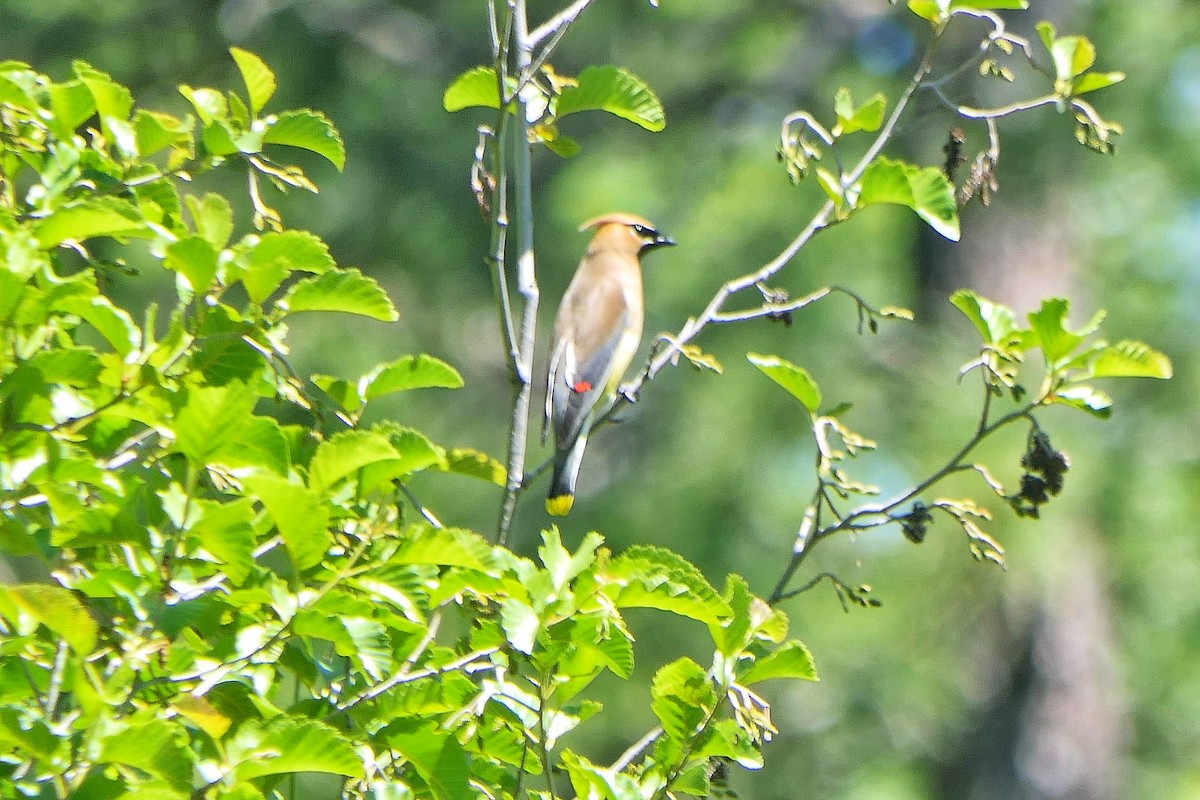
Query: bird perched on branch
x: 596, y: 336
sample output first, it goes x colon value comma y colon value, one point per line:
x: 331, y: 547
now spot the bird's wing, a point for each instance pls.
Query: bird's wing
x: 583, y: 366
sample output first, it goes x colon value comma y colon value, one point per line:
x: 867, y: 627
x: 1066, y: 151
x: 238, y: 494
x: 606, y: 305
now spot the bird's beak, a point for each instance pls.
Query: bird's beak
x: 660, y: 241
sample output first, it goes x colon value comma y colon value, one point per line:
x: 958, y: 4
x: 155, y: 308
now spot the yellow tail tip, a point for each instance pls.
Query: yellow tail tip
x: 560, y: 506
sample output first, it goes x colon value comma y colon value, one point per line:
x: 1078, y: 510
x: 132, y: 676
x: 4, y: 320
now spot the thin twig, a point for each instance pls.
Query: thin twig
x: 526, y: 283
x: 636, y: 749
x: 556, y: 23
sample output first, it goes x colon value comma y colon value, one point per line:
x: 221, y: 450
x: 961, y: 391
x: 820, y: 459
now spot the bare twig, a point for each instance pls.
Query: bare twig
x: 526, y: 283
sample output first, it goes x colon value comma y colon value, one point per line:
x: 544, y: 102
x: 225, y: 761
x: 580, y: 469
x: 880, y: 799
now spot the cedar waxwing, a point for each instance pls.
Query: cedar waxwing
x: 596, y: 336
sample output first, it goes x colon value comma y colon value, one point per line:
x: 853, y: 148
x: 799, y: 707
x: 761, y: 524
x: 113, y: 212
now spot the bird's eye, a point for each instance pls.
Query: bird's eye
x: 644, y: 232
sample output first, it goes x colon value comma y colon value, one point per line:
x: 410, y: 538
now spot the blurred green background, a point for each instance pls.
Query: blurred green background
x: 1075, y: 674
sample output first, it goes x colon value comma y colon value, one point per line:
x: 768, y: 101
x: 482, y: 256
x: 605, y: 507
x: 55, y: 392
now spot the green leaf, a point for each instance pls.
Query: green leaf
x: 210, y: 419
x: 617, y: 91
x: 475, y: 87
x: 276, y: 255
x: 1072, y: 55
x: 225, y: 531
x: 521, y: 624
x: 55, y: 607
x: 113, y: 323
x: 213, y: 217
x: 1050, y: 325
x: 476, y: 464
x: 923, y: 189
x: 72, y: 104
x: 194, y: 258
x: 259, y: 80
x: 95, y: 216
x: 792, y: 660
x: 997, y: 323
x: 155, y: 747
x: 299, y: 513
x: 1091, y: 81
x: 155, y: 130
x: 682, y: 697
x: 446, y: 547
x: 410, y: 372
x: 654, y: 577
x: 435, y: 754
x: 210, y: 104
x: 1085, y: 398
x: 989, y: 5
x: 1130, y: 359
x: 345, y: 453
x: 345, y: 393
x: 346, y: 290
x: 794, y: 379
x: 867, y: 117
x: 287, y: 744
x: 309, y: 130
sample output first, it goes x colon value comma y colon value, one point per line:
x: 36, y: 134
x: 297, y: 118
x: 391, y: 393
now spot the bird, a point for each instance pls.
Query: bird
x: 596, y: 335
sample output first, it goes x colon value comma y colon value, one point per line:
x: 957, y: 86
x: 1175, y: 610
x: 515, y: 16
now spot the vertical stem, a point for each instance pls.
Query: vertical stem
x: 526, y: 278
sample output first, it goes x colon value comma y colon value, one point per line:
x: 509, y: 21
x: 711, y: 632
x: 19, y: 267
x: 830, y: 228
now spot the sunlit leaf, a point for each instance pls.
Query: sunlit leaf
x: 55, y: 607
x: 796, y: 380
x: 1130, y: 359
x: 1085, y: 398
x: 300, y: 515
x: 258, y: 77
x: 345, y: 290
x: 411, y: 372
x: 617, y: 91
x: 792, y: 660
x: 288, y: 744
x: 475, y: 87
x: 923, y: 189
x: 309, y: 130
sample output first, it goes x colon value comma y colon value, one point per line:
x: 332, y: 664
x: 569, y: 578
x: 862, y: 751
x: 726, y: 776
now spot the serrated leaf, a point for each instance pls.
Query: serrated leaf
x: 194, y: 258
x: 435, y: 754
x: 345, y: 290
x: 155, y: 747
x: 225, y: 531
x: 444, y: 547
x: 410, y: 372
x: 55, y: 607
x: 287, y: 744
x: 794, y: 379
x: 96, y: 216
x: 309, y: 130
x: 113, y: 323
x: 299, y: 513
x: 277, y: 254
x: 654, y: 577
x: 792, y: 660
x: 258, y: 77
x: 345, y: 453
x: 923, y: 189
x: 476, y: 464
x: 210, y: 419
x: 213, y: 218
x: 1050, y: 324
x: 475, y: 87
x: 682, y: 697
x: 1130, y: 359
x: 617, y: 91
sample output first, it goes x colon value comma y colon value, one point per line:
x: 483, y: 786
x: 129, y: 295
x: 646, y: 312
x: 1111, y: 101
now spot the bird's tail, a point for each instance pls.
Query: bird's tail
x: 562, y: 481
